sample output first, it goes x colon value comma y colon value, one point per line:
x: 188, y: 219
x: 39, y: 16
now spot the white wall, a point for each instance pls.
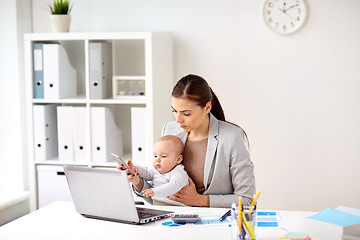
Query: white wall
x: 11, y: 175
x: 296, y: 96
x: 15, y: 19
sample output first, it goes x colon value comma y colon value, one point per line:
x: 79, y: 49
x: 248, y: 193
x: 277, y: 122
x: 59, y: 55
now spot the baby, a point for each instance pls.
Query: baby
x: 168, y: 174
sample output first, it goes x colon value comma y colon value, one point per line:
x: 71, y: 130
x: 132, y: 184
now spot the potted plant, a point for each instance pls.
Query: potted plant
x: 60, y: 18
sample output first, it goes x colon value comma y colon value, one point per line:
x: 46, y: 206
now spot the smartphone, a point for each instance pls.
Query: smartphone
x: 121, y: 161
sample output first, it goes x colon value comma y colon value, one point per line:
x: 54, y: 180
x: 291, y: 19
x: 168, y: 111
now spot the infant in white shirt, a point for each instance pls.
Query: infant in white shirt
x: 168, y: 174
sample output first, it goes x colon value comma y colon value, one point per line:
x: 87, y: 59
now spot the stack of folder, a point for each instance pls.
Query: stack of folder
x: 73, y: 133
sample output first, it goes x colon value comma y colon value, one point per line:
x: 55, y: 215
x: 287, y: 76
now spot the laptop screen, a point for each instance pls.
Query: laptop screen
x: 101, y: 193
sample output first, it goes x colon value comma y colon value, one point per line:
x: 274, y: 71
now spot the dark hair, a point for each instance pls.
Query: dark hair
x: 195, y: 88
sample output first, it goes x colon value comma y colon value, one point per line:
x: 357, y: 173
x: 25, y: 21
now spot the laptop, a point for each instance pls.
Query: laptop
x: 106, y: 194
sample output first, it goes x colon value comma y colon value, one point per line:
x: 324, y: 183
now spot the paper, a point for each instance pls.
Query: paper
x: 336, y: 217
x: 38, y: 61
x: 267, y: 224
x: 267, y: 219
x: 352, y: 211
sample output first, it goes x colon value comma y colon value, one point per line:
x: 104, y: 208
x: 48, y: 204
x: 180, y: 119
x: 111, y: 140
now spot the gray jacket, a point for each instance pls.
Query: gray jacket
x: 228, y: 171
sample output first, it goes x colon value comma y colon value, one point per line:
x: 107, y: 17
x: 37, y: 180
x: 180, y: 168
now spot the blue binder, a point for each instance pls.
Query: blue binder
x: 38, y: 70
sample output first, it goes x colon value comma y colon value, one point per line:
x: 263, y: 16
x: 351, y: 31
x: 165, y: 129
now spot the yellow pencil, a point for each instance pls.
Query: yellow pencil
x: 240, y: 217
x: 254, y: 201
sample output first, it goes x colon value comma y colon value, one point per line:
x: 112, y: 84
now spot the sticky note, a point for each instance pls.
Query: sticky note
x: 296, y: 235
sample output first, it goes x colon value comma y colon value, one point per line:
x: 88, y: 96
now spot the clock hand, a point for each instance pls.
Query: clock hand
x: 289, y: 16
x: 285, y: 10
x: 284, y: 6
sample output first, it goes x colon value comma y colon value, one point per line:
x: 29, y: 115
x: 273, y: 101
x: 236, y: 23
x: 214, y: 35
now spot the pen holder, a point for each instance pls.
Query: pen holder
x: 248, y: 228
x: 253, y: 221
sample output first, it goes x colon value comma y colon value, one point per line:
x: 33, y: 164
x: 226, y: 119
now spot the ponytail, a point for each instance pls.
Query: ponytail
x: 216, y: 108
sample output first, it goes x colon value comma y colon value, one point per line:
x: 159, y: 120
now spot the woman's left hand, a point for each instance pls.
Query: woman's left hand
x: 189, y: 196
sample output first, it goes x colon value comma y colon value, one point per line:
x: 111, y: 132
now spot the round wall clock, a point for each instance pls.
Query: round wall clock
x: 284, y: 16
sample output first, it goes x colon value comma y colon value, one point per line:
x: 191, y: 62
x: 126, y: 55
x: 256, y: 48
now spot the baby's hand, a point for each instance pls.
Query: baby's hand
x: 134, y: 178
x: 149, y: 192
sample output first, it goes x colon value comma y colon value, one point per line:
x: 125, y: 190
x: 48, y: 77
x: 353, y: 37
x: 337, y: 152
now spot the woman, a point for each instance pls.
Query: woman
x: 215, y: 155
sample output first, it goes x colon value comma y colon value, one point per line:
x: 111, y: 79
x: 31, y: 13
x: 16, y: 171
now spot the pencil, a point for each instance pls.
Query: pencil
x: 254, y: 201
x: 240, y: 217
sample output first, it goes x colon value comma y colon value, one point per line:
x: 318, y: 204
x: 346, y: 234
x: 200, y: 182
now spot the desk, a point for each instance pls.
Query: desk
x: 60, y: 220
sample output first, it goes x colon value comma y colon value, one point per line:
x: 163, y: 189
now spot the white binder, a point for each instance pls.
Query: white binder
x: 65, y: 133
x: 106, y: 136
x: 138, y: 135
x: 59, y: 75
x: 100, y: 62
x: 80, y: 132
x: 45, y: 132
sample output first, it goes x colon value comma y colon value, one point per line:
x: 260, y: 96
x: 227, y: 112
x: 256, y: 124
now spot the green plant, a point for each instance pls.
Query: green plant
x: 60, y: 7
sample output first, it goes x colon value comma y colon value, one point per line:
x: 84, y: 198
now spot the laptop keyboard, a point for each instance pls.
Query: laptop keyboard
x: 145, y: 214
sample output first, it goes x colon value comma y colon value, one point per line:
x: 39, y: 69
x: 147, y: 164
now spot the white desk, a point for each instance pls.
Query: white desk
x: 59, y: 220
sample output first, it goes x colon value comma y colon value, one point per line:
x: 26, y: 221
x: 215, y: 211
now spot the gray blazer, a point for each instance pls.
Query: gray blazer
x: 228, y: 171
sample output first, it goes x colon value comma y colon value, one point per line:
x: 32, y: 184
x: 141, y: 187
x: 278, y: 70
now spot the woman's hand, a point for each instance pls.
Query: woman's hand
x: 189, y: 196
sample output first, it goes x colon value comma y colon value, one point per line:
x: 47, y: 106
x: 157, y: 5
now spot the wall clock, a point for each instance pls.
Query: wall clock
x: 284, y: 16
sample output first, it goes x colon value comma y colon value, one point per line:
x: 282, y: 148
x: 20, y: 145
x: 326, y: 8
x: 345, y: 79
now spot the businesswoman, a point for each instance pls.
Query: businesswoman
x: 215, y: 154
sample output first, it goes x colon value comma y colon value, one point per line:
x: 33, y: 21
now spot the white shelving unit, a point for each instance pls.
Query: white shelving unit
x: 144, y: 55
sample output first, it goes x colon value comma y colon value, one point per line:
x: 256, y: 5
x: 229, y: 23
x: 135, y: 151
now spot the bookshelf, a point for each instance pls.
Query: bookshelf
x: 145, y: 57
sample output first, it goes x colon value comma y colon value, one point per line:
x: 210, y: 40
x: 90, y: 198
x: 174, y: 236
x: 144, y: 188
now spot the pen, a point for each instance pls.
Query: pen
x: 240, y: 217
x: 225, y: 215
x: 233, y: 222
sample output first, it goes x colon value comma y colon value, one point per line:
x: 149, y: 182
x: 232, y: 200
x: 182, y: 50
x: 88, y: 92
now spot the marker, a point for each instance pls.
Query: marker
x: 248, y: 225
x: 225, y: 215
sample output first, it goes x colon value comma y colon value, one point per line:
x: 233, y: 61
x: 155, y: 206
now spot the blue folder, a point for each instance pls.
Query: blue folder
x: 38, y: 70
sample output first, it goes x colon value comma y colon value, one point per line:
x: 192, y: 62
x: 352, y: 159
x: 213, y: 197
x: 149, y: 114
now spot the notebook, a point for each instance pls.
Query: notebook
x: 106, y: 194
